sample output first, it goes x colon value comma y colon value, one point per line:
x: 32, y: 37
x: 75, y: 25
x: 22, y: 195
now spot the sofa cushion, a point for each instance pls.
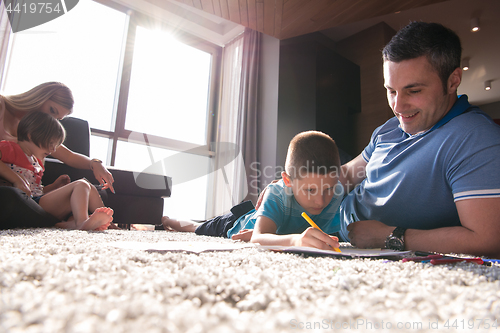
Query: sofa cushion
x: 77, y: 135
x: 125, y: 181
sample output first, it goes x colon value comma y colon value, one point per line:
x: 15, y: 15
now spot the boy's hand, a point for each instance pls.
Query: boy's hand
x: 243, y: 235
x: 312, y: 237
x: 22, y: 184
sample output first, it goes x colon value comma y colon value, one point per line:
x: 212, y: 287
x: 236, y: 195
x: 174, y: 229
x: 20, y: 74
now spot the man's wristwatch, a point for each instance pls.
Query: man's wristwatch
x: 396, y: 240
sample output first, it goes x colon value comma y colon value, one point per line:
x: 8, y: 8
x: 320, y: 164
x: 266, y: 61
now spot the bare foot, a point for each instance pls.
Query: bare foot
x: 66, y: 225
x: 109, y: 212
x: 142, y: 227
x: 61, y: 181
x: 99, y: 220
x: 165, y: 221
x: 69, y: 224
x: 176, y: 225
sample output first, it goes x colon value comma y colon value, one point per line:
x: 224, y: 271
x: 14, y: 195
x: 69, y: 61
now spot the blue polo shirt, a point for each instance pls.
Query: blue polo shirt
x: 280, y: 206
x: 413, y: 181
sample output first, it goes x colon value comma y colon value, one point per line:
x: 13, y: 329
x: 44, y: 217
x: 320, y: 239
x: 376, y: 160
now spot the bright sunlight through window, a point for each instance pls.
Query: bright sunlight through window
x: 83, y: 56
x: 169, y: 88
x: 168, y: 95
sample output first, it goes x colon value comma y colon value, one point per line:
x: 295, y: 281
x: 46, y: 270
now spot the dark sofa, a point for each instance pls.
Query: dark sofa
x: 132, y: 203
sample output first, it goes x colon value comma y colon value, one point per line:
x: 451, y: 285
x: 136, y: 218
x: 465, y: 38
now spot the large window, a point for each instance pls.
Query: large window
x: 85, y: 57
x: 132, y: 77
x: 171, y: 79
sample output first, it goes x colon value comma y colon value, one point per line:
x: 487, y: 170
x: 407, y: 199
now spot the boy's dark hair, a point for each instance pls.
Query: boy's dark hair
x: 439, y: 44
x: 311, y: 152
x: 41, y: 129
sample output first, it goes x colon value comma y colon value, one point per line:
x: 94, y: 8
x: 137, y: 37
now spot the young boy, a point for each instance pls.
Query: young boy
x: 310, y: 184
x: 39, y: 134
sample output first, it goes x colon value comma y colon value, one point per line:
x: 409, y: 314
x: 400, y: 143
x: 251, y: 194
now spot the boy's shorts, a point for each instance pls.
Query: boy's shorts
x: 220, y: 225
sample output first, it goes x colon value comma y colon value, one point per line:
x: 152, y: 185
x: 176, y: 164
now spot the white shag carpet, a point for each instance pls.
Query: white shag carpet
x: 72, y: 281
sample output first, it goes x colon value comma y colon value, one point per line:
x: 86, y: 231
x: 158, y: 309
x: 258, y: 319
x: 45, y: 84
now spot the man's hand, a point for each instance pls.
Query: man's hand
x: 312, y: 237
x: 368, y: 234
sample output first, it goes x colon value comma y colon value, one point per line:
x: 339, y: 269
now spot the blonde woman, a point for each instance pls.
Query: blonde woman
x: 56, y: 99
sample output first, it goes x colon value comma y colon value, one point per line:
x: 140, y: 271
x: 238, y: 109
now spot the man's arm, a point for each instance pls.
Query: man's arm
x: 478, y: 235
x: 352, y: 173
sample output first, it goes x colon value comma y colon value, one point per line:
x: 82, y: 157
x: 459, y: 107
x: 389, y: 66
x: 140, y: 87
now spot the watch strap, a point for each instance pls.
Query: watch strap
x: 399, y: 232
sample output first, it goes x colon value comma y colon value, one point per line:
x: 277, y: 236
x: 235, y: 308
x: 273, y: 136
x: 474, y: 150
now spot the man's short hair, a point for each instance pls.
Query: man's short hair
x: 41, y: 129
x: 439, y: 44
x: 312, y: 152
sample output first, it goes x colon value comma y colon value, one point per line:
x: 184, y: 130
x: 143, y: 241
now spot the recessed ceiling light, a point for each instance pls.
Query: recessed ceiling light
x: 474, y: 24
x: 465, y: 64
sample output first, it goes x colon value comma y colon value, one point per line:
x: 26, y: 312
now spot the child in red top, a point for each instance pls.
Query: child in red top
x: 39, y: 134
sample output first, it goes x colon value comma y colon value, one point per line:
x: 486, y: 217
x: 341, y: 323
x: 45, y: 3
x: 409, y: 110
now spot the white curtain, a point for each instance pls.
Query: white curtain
x: 236, y: 129
x: 246, y: 133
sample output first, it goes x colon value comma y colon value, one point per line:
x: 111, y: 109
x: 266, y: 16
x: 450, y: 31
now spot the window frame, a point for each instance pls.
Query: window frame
x: 118, y: 132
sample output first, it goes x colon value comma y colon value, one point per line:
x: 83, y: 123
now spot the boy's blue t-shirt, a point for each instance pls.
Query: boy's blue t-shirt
x: 280, y: 206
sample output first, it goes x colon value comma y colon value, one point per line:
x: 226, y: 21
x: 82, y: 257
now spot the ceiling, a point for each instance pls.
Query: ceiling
x: 290, y: 18
x: 339, y: 19
x: 482, y: 47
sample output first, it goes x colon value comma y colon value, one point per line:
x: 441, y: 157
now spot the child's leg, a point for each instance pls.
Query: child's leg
x: 217, y: 227
x: 57, y: 202
x: 71, y: 223
x: 183, y: 226
x: 95, y: 202
x: 74, y: 198
x: 96, y: 205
